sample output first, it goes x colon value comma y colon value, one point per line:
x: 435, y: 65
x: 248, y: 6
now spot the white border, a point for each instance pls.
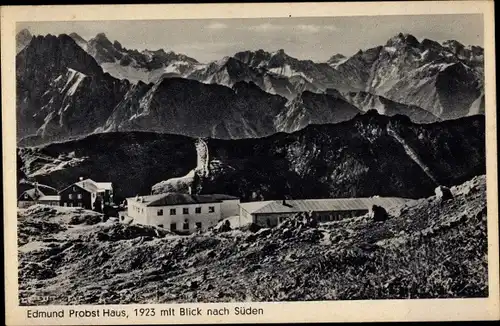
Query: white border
x: 366, y: 310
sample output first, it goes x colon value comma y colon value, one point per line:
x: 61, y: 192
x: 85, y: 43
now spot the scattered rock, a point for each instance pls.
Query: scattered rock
x: 222, y: 226
x: 378, y: 213
x: 262, y: 233
x: 443, y: 193
x: 192, y: 285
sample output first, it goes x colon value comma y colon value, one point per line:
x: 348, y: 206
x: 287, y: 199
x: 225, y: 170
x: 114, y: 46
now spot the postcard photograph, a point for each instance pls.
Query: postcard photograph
x: 286, y: 159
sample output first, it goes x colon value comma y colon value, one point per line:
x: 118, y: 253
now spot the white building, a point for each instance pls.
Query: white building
x: 182, y: 212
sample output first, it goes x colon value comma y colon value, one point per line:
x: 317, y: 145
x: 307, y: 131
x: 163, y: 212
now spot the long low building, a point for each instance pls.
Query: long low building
x: 182, y: 212
x: 271, y: 213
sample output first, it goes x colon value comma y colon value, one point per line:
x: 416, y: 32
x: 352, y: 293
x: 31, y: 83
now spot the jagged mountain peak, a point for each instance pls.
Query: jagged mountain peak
x: 23, y: 38
x: 337, y: 56
x: 453, y: 43
x: 430, y: 44
x: 280, y: 52
x: 76, y: 36
x: 117, y: 45
x: 403, y: 39
x: 24, y: 33
x: 101, y: 37
x: 336, y: 59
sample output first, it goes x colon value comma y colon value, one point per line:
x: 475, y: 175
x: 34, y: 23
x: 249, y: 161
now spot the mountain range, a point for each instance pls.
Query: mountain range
x: 369, y: 155
x: 100, y: 86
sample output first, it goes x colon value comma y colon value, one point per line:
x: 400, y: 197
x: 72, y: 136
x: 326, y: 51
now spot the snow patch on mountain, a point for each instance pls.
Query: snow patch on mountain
x: 75, y: 80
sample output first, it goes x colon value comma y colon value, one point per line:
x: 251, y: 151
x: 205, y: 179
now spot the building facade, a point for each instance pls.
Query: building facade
x: 87, y: 194
x: 181, y: 213
x: 271, y: 213
x: 36, y: 196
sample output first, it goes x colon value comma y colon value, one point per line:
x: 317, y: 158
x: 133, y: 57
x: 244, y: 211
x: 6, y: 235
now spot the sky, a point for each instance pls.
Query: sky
x: 314, y: 38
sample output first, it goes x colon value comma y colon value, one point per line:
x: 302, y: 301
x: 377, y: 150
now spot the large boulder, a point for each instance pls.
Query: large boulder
x: 443, y: 193
x: 222, y: 226
x: 378, y: 213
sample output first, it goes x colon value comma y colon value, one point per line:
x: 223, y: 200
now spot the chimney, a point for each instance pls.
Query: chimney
x: 190, y: 190
x: 284, y: 202
x: 81, y: 178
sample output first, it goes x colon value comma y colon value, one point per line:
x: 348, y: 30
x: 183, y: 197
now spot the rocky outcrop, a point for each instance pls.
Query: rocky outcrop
x: 319, y: 161
x: 443, y: 193
x: 378, y: 213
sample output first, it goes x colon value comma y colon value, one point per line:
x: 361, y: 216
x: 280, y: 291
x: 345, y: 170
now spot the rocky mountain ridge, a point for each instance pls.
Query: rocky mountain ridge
x: 75, y: 96
x: 319, y: 161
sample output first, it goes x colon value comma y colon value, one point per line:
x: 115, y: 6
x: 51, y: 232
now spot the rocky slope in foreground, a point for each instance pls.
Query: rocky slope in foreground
x: 427, y: 249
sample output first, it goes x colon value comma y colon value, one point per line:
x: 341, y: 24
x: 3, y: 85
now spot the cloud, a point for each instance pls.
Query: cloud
x: 302, y: 28
x: 202, y: 45
x: 308, y: 28
x: 217, y: 25
x: 315, y: 28
x: 265, y: 27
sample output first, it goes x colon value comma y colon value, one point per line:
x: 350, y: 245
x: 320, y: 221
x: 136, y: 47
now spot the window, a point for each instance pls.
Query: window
x: 197, y: 210
x: 79, y: 204
x: 70, y: 204
x: 74, y: 188
x: 65, y: 204
x: 70, y: 196
x: 25, y: 196
x: 172, y: 211
x: 159, y: 212
x: 185, y: 226
x: 173, y: 227
x: 211, y: 209
x: 160, y: 225
x: 198, y: 225
x: 185, y: 210
x: 79, y: 196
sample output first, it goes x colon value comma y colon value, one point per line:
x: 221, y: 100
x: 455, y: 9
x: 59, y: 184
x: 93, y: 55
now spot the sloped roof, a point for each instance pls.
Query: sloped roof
x: 321, y: 205
x: 50, y: 198
x: 173, y: 198
x: 32, y: 193
x: 254, y: 206
x: 103, y: 185
x: 91, y: 186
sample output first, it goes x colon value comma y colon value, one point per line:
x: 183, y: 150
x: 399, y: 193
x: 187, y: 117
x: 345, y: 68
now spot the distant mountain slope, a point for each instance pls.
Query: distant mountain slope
x: 368, y: 155
x: 133, y: 65
x: 366, y: 101
x: 444, y: 79
x: 311, y: 108
x: 62, y: 97
x: 73, y: 96
x: 23, y: 38
x: 191, y: 108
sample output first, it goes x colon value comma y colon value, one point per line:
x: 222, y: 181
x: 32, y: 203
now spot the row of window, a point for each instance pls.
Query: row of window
x: 79, y: 204
x: 138, y: 210
x: 185, y: 210
x: 79, y: 196
x: 185, y: 226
